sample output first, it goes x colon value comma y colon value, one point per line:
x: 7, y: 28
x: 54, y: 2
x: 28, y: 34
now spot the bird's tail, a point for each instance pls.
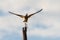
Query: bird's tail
x: 25, y: 21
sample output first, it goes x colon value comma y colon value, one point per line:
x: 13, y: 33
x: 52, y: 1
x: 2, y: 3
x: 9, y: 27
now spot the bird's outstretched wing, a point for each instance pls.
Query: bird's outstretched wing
x: 17, y: 14
x: 35, y: 13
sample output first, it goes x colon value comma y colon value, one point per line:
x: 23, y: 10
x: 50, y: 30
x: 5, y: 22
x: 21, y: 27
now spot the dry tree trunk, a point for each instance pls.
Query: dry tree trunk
x: 24, y: 32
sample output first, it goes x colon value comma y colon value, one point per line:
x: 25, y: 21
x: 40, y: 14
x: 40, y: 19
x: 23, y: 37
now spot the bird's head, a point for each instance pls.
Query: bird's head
x: 26, y: 14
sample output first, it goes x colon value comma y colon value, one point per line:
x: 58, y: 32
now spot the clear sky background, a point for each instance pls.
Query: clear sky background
x: 42, y: 26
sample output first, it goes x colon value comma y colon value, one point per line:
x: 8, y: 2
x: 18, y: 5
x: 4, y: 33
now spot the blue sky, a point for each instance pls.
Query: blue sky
x: 42, y: 26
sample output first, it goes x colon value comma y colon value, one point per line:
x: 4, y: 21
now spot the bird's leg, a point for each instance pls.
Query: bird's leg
x: 25, y: 26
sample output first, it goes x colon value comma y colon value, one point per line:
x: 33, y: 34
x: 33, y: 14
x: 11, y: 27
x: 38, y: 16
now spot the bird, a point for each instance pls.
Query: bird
x: 26, y: 16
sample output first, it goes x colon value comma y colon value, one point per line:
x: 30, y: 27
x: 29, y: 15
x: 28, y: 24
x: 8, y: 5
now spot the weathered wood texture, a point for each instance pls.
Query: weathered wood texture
x: 24, y: 33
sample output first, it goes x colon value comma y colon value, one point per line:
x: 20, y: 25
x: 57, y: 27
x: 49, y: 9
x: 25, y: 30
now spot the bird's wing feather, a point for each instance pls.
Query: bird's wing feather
x: 17, y: 14
x: 35, y: 13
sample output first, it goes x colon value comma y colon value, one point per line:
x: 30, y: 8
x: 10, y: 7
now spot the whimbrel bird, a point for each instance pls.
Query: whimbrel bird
x: 26, y: 16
